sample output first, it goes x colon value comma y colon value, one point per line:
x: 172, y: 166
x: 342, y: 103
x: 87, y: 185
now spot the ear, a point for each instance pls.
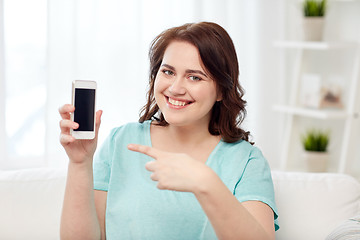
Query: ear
x: 219, y: 96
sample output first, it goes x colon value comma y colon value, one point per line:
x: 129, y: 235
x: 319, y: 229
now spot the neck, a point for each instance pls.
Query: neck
x: 189, y: 135
x: 193, y: 140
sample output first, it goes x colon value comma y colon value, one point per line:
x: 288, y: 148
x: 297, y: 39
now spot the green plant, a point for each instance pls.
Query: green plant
x: 316, y: 140
x: 314, y: 8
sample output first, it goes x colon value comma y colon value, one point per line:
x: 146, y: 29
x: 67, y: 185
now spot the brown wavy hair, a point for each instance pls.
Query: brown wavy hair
x: 218, y: 56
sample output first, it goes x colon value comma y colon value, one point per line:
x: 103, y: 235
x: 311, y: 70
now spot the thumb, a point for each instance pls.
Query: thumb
x: 98, y: 121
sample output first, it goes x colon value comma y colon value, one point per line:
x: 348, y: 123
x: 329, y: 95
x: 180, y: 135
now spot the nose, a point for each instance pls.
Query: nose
x: 177, y: 87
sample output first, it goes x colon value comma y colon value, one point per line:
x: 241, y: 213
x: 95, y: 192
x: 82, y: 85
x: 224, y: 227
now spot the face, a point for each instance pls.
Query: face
x: 183, y: 91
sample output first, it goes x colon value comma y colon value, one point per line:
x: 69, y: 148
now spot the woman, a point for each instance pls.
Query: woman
x: 186, y: 170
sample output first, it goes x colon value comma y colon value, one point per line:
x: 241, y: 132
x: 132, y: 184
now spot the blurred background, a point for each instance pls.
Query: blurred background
x: 46, y: 44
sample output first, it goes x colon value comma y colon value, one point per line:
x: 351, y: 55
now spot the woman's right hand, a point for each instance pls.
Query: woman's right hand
x: 78, y: 150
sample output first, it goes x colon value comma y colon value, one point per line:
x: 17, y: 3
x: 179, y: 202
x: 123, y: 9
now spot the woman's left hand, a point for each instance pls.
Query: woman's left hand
x: 175, y: 171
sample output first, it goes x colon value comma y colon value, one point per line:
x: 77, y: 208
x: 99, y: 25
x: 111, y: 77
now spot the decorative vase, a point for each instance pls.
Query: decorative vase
x: 316, y: 161
x: 313, y: 28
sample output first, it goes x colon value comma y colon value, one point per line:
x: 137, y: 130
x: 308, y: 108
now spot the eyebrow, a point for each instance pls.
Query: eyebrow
x: 187, y: 71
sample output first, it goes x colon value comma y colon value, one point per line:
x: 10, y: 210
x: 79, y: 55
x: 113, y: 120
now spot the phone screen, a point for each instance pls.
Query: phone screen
x: 84, y: 109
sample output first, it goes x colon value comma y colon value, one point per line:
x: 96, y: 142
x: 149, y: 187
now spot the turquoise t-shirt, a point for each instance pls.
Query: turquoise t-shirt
x: 137, y: 209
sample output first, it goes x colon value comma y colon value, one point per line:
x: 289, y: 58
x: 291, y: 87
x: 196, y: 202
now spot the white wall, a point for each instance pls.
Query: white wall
x: 108, y: 41
x: 105, y: 36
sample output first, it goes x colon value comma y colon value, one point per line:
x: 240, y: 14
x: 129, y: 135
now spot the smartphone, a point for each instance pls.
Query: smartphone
x: 84, y: 100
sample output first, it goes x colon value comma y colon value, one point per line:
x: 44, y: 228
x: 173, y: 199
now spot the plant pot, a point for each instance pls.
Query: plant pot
x: 316, y: 161
x: 313, y: 28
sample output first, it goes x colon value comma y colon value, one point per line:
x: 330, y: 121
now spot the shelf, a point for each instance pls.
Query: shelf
x: 341, y: 1
x: 314, y: 45
x: 313, y: 113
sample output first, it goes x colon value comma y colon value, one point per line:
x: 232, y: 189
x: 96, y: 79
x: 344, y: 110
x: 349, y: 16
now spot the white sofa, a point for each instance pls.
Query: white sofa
x: 310, y: 205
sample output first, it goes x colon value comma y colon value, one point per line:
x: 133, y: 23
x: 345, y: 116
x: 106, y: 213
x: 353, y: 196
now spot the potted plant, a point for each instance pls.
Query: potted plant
x: 313, y: 21
x: 315, y: 143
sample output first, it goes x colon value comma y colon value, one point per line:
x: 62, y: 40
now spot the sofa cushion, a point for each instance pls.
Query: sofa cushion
x: 348, y: 230
x: 30, y: 203
x: 311, y: 205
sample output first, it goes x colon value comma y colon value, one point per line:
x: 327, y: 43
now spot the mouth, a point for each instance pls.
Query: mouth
x: 177, y: 103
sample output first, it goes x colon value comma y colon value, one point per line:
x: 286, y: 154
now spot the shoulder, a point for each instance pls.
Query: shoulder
x: 119, y: 137
x: 132, y: 129
x: 242, y: 148
x: 237, y: 157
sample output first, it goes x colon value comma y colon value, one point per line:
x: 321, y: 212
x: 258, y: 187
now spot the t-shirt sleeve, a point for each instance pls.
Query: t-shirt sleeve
x: 102, y: 163
x: 256, y: 184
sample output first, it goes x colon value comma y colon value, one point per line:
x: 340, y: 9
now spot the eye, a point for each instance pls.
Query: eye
x: 167, y: 72
x: 194, y: 78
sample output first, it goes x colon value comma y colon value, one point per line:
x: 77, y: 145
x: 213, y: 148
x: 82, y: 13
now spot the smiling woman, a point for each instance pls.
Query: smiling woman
x: 187, y: 165
x: 179, y: 91
x: 211, y: 61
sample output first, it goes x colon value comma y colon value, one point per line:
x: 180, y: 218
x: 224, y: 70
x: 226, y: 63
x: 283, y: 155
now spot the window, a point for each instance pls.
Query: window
x: 25, y: 42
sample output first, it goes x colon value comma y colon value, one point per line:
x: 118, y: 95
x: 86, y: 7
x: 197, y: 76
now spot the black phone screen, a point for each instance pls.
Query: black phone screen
x: 84, y: 109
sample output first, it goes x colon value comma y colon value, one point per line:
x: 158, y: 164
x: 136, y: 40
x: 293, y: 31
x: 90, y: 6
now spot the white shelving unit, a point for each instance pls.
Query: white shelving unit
x: 311, y: 113
x: 292, y: 109
x: 314, y: 45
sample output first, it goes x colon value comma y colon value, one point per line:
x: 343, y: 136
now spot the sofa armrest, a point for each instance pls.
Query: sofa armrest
x: 30, y: 203
x: 311, y: 205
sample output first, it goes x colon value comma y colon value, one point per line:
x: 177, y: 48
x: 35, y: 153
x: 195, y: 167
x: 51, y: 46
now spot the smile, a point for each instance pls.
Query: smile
x: 177, y: 103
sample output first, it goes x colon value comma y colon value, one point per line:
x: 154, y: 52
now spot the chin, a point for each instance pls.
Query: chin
x: 176, y: 121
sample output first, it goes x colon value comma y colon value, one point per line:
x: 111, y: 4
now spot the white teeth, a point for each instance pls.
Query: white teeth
x: 176, y: 103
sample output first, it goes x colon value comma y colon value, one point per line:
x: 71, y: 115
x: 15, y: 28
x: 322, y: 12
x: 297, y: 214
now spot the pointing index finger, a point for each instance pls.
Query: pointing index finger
x: 150, y: 151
